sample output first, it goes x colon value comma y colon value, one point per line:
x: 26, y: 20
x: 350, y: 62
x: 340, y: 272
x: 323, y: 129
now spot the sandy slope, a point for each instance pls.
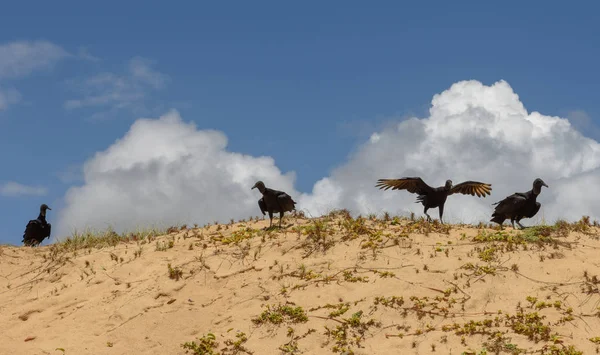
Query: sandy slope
x: 112, y: 300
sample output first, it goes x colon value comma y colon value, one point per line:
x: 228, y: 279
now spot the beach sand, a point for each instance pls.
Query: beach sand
x: 319, y: 286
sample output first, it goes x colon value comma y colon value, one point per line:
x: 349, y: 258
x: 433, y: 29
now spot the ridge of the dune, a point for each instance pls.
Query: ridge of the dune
x: 333, y: 284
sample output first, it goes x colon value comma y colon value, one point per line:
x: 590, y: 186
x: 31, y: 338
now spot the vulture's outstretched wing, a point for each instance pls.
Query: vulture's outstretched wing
x: 472, y: 188
x: 410, y: 184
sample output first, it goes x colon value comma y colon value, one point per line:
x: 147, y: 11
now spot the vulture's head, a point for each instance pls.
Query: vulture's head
x: 537, y: 185
x: 259, y: 185
x: 43, y: 209
x: 448, y: 184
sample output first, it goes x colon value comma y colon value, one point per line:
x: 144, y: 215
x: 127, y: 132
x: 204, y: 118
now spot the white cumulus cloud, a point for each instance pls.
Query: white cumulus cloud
x: 473, y: 132
x: 166, y: 171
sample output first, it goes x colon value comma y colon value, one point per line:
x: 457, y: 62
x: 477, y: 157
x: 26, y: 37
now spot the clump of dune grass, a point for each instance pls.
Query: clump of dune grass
x: 90, y: 238
x: 541, y: 234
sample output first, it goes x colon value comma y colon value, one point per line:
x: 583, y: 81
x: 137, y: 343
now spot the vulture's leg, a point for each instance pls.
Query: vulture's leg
x: 512, y: 220
x: 280, y: 218
x: 428, y: 217
x: 501, y: 224
x: 441, y: 213
x: 519, y: 223
x: 270, y: 219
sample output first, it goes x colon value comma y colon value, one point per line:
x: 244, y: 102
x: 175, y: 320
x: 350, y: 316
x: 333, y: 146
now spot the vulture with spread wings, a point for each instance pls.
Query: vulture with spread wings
x: 432, y: 197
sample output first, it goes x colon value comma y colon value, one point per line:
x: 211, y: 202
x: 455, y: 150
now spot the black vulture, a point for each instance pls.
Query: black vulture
x: 518, y: 205
x: 432, y: 197
x: 37, y: 229
x: 274, y: 201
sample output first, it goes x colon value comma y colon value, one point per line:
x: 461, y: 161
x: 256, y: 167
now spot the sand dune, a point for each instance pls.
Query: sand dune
x: 320, y: 286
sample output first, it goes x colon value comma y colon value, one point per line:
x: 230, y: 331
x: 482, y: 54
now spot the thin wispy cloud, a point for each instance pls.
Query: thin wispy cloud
x: 15, y: 189
x: 142, y: 72
x: 119, y: 91
x: 21, y: 58
x: 84, y: 53
x: 8, y: 97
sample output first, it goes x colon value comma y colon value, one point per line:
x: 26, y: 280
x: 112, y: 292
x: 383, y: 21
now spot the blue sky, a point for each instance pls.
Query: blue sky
x: 304, y: 83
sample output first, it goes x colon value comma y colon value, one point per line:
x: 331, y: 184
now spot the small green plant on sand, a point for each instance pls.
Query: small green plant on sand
x: 349, y: 333
x: 281, y: 313
x: 291, y: 347
x: 206, y: 345
x: 175, y: 273
x: 235, y: 347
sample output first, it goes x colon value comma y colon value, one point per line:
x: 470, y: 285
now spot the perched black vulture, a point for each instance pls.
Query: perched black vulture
x: 37, y: 229
x: 274, y: 201
x: 432, y: 197
x: 518, y: 205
